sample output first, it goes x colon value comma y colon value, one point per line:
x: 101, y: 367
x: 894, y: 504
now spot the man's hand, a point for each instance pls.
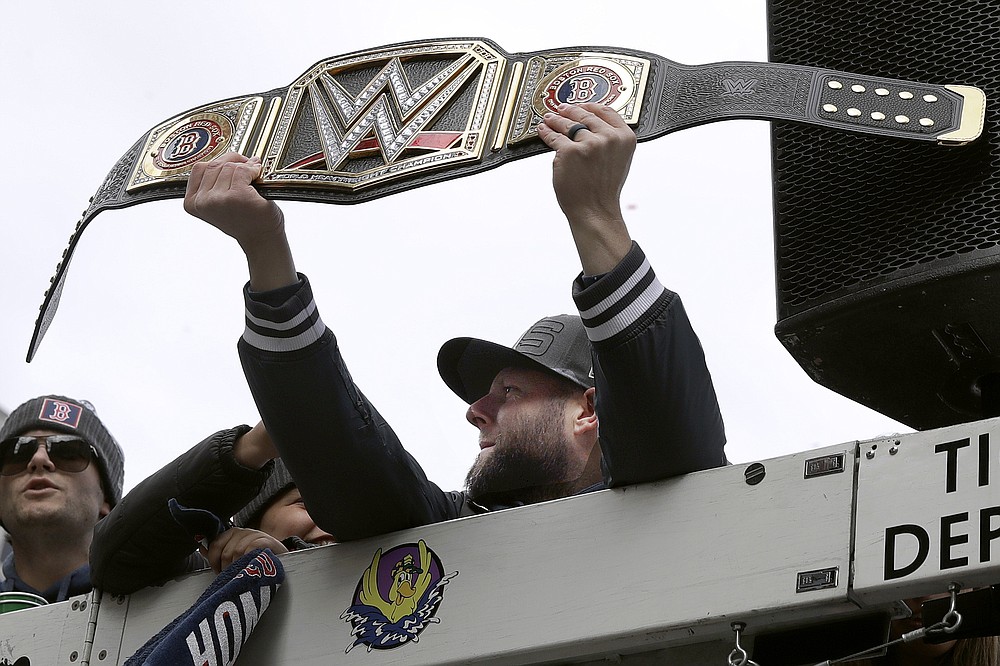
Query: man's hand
x: 588, y: 174
x: 221, y: 192
x: 254, y: 448
x: 236, y: 542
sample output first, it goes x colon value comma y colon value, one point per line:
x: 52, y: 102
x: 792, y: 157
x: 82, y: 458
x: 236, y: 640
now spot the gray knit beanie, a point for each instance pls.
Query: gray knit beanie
x: 279, y: 481
x: 75, y: 417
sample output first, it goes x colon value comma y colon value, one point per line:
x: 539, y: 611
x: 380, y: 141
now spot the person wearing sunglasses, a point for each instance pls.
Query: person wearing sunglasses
x: 61, y: 472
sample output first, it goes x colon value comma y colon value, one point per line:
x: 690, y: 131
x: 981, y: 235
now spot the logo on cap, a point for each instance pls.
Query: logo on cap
x: 61, y: 412
x: 539, y: 337
x: 397, y: 597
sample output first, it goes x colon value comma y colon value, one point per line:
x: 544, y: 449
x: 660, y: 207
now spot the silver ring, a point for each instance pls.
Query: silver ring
x: 571, y: 132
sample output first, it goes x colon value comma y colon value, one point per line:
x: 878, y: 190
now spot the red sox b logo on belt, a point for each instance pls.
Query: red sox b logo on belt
x: 583, y: 83
x: 193, y: 141
x: 614, y: 82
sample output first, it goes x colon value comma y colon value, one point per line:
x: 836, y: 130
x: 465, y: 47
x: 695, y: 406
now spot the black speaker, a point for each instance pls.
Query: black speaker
x: 887, y: 251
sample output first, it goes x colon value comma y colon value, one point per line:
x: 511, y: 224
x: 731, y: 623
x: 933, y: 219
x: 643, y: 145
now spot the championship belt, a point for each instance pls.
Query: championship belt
x: 373, y: 123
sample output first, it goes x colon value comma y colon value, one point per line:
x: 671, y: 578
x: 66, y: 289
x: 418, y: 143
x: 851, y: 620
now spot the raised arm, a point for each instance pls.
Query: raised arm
x: 221, y: 192
x: 354, y: 475
x: 656, y: 403
x: 588, y: 173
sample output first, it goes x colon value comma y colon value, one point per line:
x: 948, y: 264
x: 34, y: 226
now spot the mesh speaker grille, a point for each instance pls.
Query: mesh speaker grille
x: 854, y: 211
x: 887, y: 251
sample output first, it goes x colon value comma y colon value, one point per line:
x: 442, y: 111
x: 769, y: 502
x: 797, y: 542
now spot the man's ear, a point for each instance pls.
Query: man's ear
x: 586, y: 419
x: 104, y: 510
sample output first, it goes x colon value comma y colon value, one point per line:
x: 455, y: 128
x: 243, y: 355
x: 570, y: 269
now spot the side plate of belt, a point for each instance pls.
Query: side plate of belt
x: 373, y: 123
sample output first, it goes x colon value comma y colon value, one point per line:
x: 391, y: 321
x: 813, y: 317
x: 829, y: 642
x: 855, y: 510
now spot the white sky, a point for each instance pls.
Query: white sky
x: 152, y: 308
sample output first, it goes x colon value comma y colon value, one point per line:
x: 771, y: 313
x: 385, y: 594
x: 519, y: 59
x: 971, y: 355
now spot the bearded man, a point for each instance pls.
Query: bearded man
x: 629, y: 363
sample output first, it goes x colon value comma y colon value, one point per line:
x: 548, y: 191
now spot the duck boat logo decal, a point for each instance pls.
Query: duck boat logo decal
x: 397, y: 597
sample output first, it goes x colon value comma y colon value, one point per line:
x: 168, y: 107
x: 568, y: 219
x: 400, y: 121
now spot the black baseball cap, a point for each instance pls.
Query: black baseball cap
x: 556, y: 344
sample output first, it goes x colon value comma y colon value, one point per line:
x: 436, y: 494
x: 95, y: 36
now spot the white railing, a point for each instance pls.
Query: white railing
x: 661, y: 569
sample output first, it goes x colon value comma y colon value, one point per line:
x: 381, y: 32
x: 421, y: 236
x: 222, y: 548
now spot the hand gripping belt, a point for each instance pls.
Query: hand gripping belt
x: 376, y: 122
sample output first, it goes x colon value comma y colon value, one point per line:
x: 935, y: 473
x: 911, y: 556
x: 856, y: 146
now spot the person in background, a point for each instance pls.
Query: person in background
x: 61, y: 472
x: 233, y: 471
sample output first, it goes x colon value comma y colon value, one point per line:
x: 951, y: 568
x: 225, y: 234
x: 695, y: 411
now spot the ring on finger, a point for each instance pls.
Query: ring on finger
x: 572, y: 131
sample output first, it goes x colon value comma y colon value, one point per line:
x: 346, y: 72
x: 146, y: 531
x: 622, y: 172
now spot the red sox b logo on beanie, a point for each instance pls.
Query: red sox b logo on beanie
x: 61, y: 412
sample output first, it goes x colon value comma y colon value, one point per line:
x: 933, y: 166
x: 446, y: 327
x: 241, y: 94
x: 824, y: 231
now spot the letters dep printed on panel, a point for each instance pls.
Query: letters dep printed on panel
x: 376, y: 116
x: 928, y: 512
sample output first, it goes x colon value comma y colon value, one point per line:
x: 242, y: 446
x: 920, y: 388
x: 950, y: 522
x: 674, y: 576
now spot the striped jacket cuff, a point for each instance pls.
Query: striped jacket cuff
x: 623, y: 302
x: 289, y: 326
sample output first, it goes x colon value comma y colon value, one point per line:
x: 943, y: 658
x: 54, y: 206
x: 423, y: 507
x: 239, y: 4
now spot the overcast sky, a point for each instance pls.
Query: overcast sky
x: 152, y: 308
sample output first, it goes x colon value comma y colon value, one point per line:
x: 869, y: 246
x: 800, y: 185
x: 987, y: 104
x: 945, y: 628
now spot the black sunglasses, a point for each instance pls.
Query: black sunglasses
x: 68, y: 453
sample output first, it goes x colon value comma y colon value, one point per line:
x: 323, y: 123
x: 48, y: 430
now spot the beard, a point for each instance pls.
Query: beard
x: 530, y: 462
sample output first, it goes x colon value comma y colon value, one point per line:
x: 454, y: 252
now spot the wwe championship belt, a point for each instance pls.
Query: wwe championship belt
x: 376, y: 122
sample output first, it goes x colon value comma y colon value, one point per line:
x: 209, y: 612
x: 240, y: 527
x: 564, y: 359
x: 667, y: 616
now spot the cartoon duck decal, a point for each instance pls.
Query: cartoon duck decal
x: 409, y: 582
x: 397, y: 597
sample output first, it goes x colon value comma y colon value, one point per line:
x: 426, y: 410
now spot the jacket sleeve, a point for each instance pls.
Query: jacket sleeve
x: 656, y: 404
x: 140, y: 544
x: 354, y: 475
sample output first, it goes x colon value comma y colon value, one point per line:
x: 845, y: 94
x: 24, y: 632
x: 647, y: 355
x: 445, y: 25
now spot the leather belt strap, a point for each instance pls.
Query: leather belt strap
x: 372, y: 123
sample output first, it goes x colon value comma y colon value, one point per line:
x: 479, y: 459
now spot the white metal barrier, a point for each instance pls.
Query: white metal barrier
x: 651, y: 573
